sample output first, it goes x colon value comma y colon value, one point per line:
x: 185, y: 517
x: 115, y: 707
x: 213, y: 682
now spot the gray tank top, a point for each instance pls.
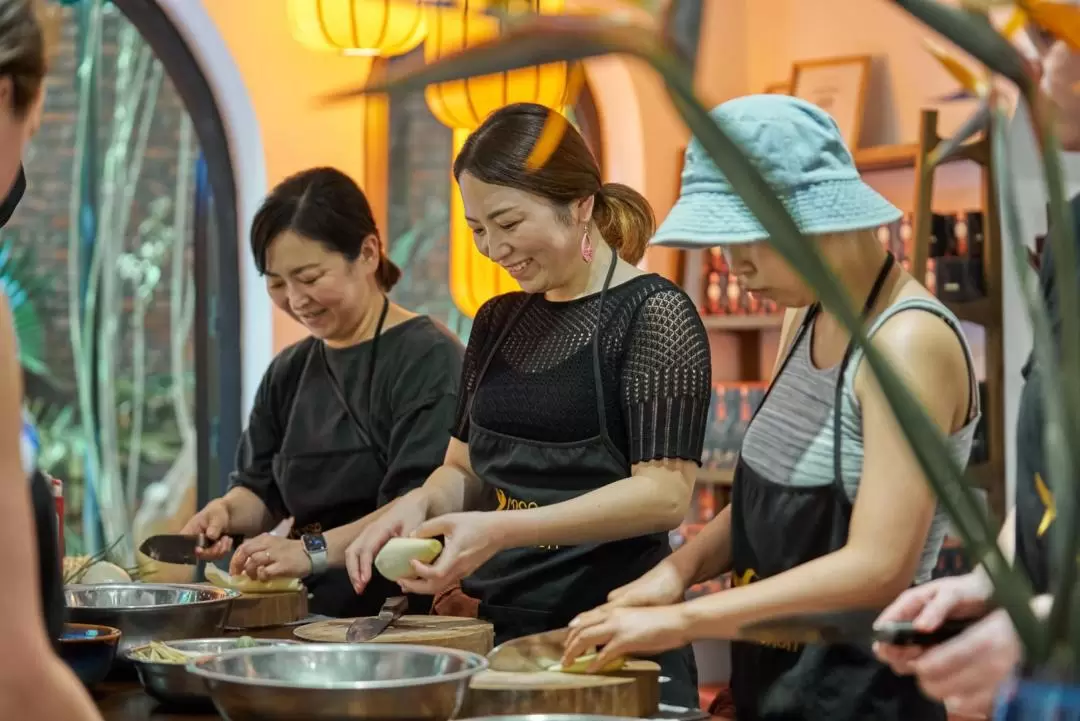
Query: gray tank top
x: 790, y: 441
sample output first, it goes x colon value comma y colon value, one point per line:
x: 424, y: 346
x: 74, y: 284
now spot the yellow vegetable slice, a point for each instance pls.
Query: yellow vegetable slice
x: 246, y: 584
x: 395, y: 559
x: 581, y: 664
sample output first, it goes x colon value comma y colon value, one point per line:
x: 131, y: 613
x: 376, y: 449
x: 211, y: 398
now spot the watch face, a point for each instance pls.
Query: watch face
x: 315, y: 543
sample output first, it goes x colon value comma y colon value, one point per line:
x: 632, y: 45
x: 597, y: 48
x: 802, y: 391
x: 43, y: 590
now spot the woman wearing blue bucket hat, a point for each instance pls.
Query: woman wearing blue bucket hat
x: 829, y: 509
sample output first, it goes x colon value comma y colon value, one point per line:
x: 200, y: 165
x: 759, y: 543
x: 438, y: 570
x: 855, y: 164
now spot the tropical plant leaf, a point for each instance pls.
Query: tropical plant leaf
x: 1060, y: 458
x: 960, y: 72
x: 971, y: 31
x: 1017, y: 21
x: 545, y: 39
x: 562, y: 39
x: 976, y: 123
x: 1062, y: 20
x: 556, y: 123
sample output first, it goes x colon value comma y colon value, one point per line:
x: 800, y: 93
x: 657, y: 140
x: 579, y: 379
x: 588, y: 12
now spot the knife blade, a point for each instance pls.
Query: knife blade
x: 846, y: 627
x: 365, y: 629
x: 537, y: 652
x: 177, y: 548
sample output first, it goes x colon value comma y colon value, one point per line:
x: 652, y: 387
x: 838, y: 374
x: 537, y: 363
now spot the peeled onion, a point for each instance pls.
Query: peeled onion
x: 395, y: 559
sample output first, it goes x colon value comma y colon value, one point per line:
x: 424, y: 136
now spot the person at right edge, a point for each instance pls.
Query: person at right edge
x: 34, y: 682
x: 970, y: 671
x: 583, y: 400
x: 830, y: 509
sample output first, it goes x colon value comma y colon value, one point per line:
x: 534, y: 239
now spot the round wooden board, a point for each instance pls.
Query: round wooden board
x: 266, y: 610
x: 646, y: 676
x: 461, y: 634
x: 497, y: 693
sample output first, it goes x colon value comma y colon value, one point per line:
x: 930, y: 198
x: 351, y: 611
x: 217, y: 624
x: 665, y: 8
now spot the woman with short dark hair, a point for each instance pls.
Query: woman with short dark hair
x: 583, y: 403
x: 344, y: 421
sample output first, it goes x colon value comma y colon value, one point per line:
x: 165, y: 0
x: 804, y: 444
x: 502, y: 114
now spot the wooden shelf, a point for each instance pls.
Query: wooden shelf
x: 886, y: 157
x: 722, y: 477
x: 756, y: 321
x: 903, y: 155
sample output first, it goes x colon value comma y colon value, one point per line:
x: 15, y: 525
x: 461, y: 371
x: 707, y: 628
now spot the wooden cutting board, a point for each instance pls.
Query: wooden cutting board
x: 462, y: 634
x: 266, y: 610
x: 496, y: 693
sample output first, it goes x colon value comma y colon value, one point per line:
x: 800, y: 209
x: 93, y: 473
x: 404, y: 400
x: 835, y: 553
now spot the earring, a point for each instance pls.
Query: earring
x: 586, y: 248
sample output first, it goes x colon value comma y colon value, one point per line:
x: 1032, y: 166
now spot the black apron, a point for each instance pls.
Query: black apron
x: 327, y: 483
x: 775, y: 528
x: 1034, y: 502
x: 49, y: 562
x: 50, y: 573
x: 529, y: 590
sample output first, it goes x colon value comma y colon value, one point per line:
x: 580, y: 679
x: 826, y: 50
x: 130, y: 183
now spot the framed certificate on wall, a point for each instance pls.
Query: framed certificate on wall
x: 837, y: 86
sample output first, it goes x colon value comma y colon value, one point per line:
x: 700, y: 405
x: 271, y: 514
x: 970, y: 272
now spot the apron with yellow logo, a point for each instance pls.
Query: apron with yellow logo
x: 529, y: 590
x: 775, y: 528
x: 1035, y: 509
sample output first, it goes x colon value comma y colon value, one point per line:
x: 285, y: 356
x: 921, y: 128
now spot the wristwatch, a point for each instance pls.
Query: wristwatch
x: 315, y: 548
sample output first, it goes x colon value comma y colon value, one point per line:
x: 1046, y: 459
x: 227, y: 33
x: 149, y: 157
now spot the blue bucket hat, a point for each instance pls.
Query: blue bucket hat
x: 798, y: 148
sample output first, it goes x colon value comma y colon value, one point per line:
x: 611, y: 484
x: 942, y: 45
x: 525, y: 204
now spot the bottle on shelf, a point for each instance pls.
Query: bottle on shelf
x: 734, y: 295
x: 715, y: 292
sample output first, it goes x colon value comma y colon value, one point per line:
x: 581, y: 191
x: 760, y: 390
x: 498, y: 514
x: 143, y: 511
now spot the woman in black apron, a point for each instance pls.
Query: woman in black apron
x: 346, y: 420
x: 791, y: 537
x: 547, y: 436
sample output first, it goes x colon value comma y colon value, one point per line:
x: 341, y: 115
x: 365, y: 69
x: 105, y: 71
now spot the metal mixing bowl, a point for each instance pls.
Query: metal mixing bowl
x: 336, y: 682
x: 170, y: 683
x: 146, y: 612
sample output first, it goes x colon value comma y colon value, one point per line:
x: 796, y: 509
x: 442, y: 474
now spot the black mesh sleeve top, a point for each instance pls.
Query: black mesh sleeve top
x: 655, y: 365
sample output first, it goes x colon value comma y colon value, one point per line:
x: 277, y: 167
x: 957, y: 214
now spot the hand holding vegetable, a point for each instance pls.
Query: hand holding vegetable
x: 401, y: 518
x: 470, y: 541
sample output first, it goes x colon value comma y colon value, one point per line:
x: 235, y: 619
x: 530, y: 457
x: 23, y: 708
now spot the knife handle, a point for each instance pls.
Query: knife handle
x: 903, y: 633
x: 237, y: 539
x: 394, y: 607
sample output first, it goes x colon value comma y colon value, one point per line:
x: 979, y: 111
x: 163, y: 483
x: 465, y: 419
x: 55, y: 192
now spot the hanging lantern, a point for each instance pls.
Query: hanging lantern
x: 383, y: 28
x: 462, y: 105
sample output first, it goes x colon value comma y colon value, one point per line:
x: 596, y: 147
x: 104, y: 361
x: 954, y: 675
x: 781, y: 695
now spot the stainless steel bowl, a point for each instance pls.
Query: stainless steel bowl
x: 552, y: 717
x: 335, y: 682
x: 170, y: 683
x: 146, y: 612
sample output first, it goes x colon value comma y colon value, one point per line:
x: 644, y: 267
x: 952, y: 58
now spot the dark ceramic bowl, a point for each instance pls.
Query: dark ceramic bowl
x: 89, y: 650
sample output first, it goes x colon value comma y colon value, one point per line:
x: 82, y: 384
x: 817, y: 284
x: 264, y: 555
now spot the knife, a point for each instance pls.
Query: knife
x: 365, y: 629
x: 847, y: 627
x: 537, y: 652
x: 177, y: 548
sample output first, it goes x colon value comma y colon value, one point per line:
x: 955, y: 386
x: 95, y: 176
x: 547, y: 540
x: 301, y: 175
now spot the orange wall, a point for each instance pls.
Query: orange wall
x: 285, y: 81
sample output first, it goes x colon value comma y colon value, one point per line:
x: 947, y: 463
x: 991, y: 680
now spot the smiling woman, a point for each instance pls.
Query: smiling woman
x: 344, y: 421
x: 583, y: 401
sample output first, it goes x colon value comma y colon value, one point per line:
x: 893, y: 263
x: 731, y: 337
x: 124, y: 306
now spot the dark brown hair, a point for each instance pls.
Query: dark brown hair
x: 496, y: 153
x: 325, y: 205
x: 22, y: 52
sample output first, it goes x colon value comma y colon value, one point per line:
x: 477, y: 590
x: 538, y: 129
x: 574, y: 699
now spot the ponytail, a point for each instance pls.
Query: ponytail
x: 387, y: 274
x: 625, y: 219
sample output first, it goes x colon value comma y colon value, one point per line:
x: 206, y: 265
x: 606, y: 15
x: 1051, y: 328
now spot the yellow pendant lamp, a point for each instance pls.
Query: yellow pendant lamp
x: 369, y: 28
x: 382, y: 28
x: 462, y: 105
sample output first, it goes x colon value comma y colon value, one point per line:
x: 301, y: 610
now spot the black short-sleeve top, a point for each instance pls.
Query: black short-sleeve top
x: 654, y: 360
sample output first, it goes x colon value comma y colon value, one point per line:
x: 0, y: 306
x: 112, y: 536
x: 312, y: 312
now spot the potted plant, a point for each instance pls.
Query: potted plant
x: 1050, y: 681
